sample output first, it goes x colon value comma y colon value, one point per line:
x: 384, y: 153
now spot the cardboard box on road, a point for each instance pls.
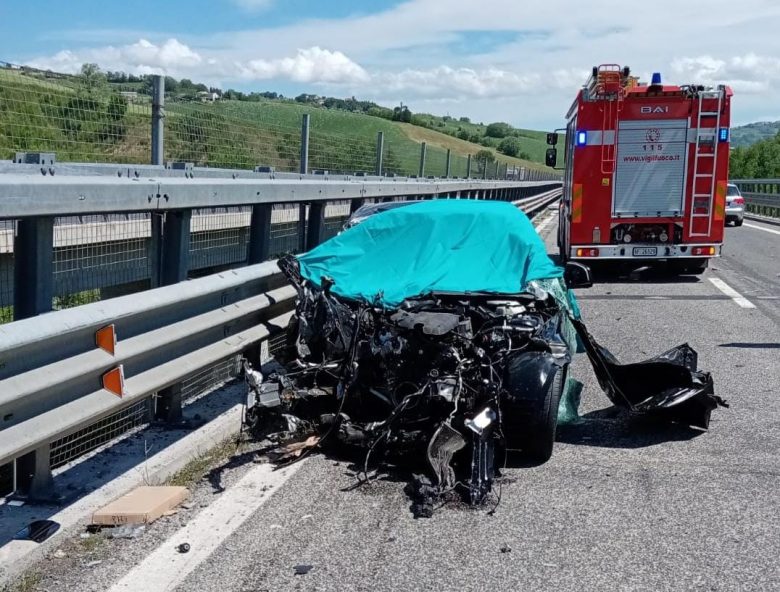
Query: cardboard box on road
x: 142, y: 505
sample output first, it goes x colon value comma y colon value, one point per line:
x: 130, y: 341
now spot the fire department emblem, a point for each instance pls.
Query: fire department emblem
x: 653, y: 134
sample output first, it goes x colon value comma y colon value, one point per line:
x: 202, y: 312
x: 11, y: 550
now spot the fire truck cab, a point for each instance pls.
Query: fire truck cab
x: 646, y: 169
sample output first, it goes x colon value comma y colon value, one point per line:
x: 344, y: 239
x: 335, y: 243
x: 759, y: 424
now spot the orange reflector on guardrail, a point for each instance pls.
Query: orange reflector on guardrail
x: 105, y: 339
x: 114, y: 381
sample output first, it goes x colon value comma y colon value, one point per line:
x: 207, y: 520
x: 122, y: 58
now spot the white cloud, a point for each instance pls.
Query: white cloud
x: 750, y: 73
x: 445, y: 82
x: 312, y: 65
x: 309, y: 65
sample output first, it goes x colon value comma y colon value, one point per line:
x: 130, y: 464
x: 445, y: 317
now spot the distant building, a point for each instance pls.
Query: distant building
x: 130, y: 95
x: 208, y: 97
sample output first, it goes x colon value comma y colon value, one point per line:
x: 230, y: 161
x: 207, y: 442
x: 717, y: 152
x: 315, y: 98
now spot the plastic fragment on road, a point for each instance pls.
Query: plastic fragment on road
x: 128, y: 531
x: 568, y: 409
x: 37, y: 531
x: 302, y: 569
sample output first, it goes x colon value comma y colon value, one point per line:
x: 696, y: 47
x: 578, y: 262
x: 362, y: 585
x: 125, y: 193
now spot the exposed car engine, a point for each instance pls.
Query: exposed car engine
x: 445, y: 376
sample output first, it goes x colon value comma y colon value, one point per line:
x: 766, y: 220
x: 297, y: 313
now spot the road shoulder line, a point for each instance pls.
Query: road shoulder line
x: 731, y: 293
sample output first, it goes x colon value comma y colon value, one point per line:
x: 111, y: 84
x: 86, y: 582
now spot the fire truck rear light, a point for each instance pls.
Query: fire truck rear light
x: 582, y: 138
x: 703, y: 251
x: 587, y: 252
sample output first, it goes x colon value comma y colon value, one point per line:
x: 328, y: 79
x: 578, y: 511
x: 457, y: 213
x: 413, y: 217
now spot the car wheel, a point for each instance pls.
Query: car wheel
x: 738, y: 222
x: 697, y: 267
x: 538, y: 436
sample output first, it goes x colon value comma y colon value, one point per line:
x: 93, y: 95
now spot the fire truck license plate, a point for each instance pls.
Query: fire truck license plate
x: 645, y: 251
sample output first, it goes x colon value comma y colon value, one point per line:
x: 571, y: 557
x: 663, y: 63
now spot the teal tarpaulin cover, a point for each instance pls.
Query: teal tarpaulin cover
x: 445, y: 245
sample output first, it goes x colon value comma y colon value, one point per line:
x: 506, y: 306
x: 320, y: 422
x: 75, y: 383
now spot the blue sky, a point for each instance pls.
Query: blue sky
x: 511, y: 60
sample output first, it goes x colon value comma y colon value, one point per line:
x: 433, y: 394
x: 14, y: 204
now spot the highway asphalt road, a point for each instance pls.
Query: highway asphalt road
x: 622, y: 505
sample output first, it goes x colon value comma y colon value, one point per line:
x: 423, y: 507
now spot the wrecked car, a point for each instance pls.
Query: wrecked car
x: 442, y: 333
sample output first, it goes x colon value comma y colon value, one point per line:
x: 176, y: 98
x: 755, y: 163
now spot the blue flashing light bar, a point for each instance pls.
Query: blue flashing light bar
x: 582, y: 138
x: 723, y: 136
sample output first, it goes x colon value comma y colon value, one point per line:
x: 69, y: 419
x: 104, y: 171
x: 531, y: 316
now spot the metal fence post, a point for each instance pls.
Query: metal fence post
x: 380, y: 150
x: 498, y: 165
x: 305, y: 144
x: 175, y: 258
x: 422, y: 160
x: 484, y: 168
x: 259, y: 246
x: 33, y: 267
x: 468, y: 167
x: 158, y: 118
x: 449, y: 161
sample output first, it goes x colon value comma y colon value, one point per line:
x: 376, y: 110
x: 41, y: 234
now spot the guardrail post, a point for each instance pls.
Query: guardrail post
x: 305, y: 144
x: 301, y: 227
x: 34, y: 479
x: 468, y: 167
x: 33, y: 267
x: 316, y: 224
x: 169, y: 404
x: 355, y: 203
x: 380, y: 150
x: 259, y: 246
x: 422, y: 160
x: 158, y: 118
x: 449, y: 161
x: 175, y: 257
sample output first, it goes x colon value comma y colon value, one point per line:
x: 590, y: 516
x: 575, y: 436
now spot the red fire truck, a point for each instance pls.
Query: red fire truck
x: 646, y: 169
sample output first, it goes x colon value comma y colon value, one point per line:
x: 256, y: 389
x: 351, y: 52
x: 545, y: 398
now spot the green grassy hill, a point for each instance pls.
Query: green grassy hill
x: 746, y: 135
x: 83, y: 119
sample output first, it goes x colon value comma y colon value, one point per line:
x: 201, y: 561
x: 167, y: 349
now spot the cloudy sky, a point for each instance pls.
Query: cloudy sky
x: 512, y: 60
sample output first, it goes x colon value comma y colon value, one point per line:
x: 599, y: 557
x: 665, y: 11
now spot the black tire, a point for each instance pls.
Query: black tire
x: 697, y: 267
x: 538, y: 436
x: 738, y: 222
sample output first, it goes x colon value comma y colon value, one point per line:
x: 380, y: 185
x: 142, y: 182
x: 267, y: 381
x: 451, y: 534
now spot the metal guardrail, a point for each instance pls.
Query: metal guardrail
x: 762, y: 196
x: 52, y: 373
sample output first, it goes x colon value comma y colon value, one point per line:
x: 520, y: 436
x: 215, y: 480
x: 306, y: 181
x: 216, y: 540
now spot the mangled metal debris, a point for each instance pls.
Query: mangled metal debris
x: 442, y: 331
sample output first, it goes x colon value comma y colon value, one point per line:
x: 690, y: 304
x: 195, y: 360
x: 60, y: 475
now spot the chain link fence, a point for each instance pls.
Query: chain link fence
x: 80, y: 118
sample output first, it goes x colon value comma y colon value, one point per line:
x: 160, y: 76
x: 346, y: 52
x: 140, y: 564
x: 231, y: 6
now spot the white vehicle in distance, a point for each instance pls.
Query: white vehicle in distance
x: 735, y: 205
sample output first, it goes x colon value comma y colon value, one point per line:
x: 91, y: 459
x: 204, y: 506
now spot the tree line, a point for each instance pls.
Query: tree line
x: 758, y: 161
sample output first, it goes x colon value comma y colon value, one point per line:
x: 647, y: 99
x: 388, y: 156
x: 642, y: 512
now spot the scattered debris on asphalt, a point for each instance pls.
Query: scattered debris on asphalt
x: 183, y: 548
x: 302, y: 569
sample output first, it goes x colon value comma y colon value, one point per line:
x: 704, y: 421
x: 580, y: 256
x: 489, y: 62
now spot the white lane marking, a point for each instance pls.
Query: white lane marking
x: 165, y: 568
x: 732, y: 293
x: 761, y: 228
x: 544, y: 225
